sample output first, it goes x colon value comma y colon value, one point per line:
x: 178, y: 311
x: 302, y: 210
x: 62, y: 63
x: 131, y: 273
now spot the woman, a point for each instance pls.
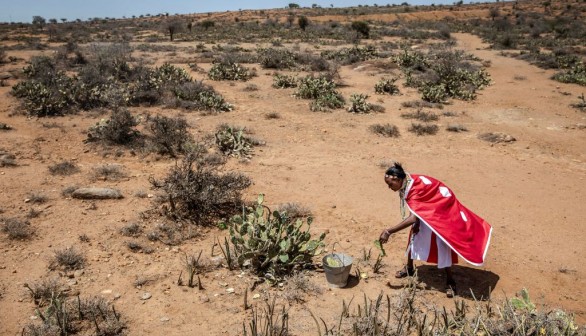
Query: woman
x: 441, y: 227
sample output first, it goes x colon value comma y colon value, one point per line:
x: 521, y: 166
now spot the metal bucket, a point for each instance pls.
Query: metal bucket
x: 337, y: 276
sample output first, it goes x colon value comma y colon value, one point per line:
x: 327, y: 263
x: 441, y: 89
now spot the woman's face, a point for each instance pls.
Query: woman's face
x: 394, y: 182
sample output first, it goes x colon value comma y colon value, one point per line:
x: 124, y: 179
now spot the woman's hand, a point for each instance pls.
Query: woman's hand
x: 384, y: 236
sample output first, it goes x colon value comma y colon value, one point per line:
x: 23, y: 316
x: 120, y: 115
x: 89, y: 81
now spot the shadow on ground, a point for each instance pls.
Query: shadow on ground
x: 471, y: 282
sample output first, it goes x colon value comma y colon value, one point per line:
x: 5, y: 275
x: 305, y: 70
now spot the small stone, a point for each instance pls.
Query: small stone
x: 230, y: 290
x: 165, y: 319
x: 26, y: 200
x: 117, y: 296
x: 107, y: 291
x: 146, y: 296
x: 256, y: 296
x: 204, y: 298
x: 78, y: 273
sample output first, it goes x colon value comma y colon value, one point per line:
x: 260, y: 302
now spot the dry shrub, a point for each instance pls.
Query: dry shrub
x: 131, y: 230
x: 7, y: 159
x: 298, y: 287
x: 17, y: 229
x: 386, y: 130
x: 169, y: 135
x: 421, y: 116
x: 37, y: 198
x: 496, y: 137
x: 110, y: 172
x: 456, y: 128
x: 423, y: 129
x: 197, y: 189
x: 67, y: 259
x: 63, y: 168
x: 43, y: 291
x: 294, y: 211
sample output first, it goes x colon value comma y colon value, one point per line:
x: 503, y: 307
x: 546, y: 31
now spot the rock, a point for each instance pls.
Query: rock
x: 230, y: 290
x: 107, y: 291
x: 165, y: 319
x: 97, y: 193
x: 78, y: 273
x: 146, y: 296
x: 5, y: 75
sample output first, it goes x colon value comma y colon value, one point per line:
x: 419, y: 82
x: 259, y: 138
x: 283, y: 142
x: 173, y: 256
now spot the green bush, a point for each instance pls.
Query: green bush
x: 575, y: 75
x: 358, y: 103
x: 228, y: 70
x: 361, y: 27
x: 119, y: 129
x: 270, y: 244
x: 387, y: 85
x: 232, y: 141
x: 351, y: 55
x: 322, y: 90
x: 200, y: 96
x: 46, y: 94
x: 272, y: 58
x: 284, y: 81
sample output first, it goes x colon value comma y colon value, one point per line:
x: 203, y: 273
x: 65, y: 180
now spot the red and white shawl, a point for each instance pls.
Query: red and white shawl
x: 444, y: 221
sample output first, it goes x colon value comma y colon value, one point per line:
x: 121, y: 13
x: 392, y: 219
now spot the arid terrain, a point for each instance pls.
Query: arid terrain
x: 531, y: 189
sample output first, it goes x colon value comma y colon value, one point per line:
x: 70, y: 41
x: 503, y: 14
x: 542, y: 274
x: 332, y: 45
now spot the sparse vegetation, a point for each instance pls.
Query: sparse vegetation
x: 423, y: 129
x: 16, y: 229
x: 64, y: 168
x: 386, y: 130
x: 231, y: 140
x: 67, y: 259
x: 421, y: 116
x: 456, y: 128
x: 387, y: 85
x: 109, y: 172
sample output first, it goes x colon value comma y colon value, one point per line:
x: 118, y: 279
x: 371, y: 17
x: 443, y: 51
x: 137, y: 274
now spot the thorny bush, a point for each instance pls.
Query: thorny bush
x: 197, y: 189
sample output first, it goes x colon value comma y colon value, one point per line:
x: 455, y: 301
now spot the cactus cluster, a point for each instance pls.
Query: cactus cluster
x: 387, y: 85
x: 232, y: 141
x: 442, y: 75
x: 284, y: 81
x: 322, y: 90
x: 358, y: 103
x: 270, y: 243
x: 48, y: 92
x: 351, y: 55
x: 229, y: 71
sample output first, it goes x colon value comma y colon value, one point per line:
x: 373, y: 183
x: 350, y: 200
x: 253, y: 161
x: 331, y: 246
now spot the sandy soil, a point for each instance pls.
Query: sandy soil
x: 531, y: 191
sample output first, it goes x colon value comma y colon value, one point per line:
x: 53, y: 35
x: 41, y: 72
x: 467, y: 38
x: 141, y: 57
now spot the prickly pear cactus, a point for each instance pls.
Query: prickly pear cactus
x: 270, y: 244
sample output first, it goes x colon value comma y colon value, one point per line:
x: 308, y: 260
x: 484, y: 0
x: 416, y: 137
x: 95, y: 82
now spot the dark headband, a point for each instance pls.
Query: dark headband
x: 396, y: 170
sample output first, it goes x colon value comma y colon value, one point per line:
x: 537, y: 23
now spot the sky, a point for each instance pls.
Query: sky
x: 24, y: 10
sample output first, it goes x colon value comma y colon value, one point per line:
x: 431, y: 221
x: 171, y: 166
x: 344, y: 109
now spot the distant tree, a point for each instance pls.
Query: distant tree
x: 189, y: 26
x: 314, y: 6
x: 290, y: 19
x: 293, y: 5
x: 362, y: 28
x: 53, y: 21
x: 63, y: 20
x: 494, y: 12
x: 303, y: 22
x: 207, y: 24
x: 173, y: 27
x: 405, y: 4
x: 39, y: 21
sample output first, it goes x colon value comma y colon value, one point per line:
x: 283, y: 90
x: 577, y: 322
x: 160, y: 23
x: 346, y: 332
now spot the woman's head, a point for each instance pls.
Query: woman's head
x: 394, y: 176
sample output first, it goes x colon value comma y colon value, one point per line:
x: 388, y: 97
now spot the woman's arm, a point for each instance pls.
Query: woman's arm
x: 384, y: 237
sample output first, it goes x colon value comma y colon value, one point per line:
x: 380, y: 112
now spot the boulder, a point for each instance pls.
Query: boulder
x: 97, y: 193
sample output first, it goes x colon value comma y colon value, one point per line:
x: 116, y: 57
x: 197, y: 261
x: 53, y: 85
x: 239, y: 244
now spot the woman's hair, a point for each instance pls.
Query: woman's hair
x: 396, y: 170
